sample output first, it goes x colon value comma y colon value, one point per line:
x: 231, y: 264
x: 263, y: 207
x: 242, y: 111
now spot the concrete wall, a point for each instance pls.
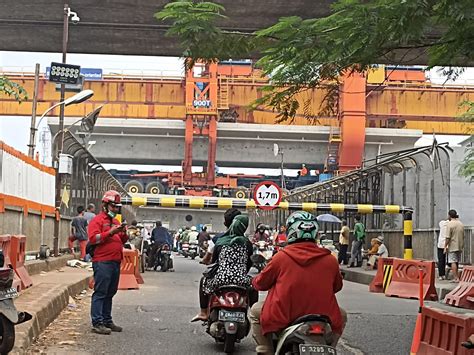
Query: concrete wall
x: 37, y: 230
x: 176, y: 217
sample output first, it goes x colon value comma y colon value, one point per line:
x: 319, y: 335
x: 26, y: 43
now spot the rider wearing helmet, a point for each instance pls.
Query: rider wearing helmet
x: 301, y: 279
x: 261, y: 234
x: 106, y: 236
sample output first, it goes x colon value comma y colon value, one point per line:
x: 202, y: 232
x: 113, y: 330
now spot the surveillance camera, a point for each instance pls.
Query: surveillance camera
x: 75, y: 19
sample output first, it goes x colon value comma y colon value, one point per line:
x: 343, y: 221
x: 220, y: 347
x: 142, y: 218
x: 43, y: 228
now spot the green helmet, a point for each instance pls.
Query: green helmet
x: 301, y: 225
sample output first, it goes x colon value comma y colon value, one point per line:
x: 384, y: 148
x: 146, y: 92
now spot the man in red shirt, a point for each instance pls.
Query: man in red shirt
x: 106, y: 236
x: 301, y: 279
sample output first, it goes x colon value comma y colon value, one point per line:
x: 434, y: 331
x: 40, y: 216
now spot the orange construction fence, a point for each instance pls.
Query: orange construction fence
x: 406, y: 279
x: 443, y: 332
x: 463, y: 294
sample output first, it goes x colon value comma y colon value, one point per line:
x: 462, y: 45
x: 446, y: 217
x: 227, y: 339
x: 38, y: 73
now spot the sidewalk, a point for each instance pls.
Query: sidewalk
x: 45, y: 300
x: 362, y: 276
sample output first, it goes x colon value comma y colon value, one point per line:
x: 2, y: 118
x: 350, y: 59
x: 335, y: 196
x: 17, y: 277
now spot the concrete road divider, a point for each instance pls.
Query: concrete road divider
x: 463, y: 294
x: 443, y: 332
x: 405, y: 279
x: 383, y: 277
x: 17, y: 258
x: 129, y: 262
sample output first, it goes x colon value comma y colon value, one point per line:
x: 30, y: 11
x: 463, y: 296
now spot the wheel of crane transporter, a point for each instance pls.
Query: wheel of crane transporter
x: 155, y: 188
x: 241, y: 194
x: 134, y: 187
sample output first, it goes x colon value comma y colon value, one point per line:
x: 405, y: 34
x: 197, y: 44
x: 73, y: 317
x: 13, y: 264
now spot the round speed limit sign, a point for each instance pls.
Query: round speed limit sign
x: 267, y: 195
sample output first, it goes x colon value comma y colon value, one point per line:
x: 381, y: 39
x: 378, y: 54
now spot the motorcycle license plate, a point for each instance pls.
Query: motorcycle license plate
x: 317, y: 349
x: 226, y: 316
x: 10, y: 293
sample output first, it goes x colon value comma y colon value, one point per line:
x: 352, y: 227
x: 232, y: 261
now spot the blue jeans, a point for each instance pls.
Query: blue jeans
x: 106, y: 280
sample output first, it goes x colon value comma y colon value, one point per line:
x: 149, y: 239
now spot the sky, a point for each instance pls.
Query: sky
x: 14, y: 131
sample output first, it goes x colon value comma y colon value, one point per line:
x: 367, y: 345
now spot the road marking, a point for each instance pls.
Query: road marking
x: 349, y: 348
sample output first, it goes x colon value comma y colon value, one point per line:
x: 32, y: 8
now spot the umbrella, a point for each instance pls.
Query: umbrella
x: 328, y: 218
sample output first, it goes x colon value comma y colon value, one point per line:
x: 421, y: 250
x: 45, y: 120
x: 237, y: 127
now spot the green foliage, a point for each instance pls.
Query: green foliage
x: 12, y: 89
x: 466, y: 169
x: 302, y: 54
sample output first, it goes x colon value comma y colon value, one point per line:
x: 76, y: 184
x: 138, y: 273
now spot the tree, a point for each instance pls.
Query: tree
x: 12, y: 89
x: 302, y: 54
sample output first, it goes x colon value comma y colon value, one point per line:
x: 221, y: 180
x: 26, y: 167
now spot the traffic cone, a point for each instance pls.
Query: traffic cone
x: 415, y: 345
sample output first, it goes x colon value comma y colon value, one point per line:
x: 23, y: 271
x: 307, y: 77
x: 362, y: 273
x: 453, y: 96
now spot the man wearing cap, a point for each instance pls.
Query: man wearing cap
x: 454, y: 242
x: 107, y: 236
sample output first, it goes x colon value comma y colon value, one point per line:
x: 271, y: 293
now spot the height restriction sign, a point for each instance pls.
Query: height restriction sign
x: 267, y: 195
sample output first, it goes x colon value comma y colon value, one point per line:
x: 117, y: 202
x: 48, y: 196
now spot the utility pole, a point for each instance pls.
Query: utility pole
x: 66, y: 13
x: 31, y: 146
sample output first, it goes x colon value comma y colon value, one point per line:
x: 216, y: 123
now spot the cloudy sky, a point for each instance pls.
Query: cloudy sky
x: 15, y: 130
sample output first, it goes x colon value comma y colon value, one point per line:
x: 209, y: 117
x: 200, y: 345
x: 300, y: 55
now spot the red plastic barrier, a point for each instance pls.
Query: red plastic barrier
x: 127, y: 270
x: 17, y: 258
x: 138, y: 276
x: 405, y: 279
x: 5, y: 246
x: 383, y: 276
x: 463, y: 294
x: 443, y: 332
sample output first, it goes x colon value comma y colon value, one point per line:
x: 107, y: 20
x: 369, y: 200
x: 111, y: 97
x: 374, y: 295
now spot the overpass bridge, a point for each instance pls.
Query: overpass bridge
x: 161, y: 142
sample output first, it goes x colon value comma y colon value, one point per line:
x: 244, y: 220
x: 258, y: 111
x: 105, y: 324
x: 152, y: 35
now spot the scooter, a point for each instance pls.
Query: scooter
x: 185, y: 249
x: 9, y: 316
x: 310, y: 334
x: 228, y: 322
x: 163, y: 258
x: 262, y: 255
x: 203, y: 249
x: 193, y: 249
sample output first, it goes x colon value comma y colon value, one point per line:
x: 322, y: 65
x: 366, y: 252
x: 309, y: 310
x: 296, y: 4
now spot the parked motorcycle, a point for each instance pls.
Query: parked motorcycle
x: 9, y: 316
x: 193, y: 249
x: 262, y: 255
x: 228, y: 322
x: 310, y: 334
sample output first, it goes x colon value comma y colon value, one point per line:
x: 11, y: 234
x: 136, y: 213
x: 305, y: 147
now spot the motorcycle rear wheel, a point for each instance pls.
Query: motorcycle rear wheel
x: 7, y: 333
x: 229, y: 343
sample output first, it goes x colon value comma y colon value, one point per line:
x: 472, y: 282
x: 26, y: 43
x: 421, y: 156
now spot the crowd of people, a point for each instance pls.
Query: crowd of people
x: 102, y: 237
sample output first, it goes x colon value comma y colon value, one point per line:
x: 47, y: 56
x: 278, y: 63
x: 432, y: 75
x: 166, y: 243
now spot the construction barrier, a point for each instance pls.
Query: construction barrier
x: 17, y: 258
x: 463, y: 294
x: 405, y: 279
x: 127, y: 270
x: 443, y: 332
x: 5, y: 246
x: 138, y: 275
x: 383, y: 277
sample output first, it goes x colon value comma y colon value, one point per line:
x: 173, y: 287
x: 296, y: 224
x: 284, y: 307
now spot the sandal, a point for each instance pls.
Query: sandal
x: 198, y: 318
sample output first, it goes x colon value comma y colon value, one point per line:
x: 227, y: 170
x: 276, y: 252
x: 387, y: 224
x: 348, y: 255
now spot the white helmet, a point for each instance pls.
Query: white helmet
x: 193, y: 228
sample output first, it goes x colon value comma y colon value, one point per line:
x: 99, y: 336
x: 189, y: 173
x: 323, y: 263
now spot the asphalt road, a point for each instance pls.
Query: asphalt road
x: 156, y: 320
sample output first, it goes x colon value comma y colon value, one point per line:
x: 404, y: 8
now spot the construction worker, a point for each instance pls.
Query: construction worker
x: 304, y: 170
x: 107, y: 237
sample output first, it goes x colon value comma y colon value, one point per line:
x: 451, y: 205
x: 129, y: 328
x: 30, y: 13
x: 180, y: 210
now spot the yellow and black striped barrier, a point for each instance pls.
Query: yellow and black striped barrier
x: 225, y: 203
x: 387, y: 276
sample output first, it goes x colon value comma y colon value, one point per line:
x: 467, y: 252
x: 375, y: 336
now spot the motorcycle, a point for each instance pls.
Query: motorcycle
x: 310, y: 334
x: 163, y: 258
x: 203, y: 249
x: 262, y: 255
x: 193, y: 249
x: 228, y: 322
x: 9, y: 316
x: 185, y: 249
x: 144, y: 255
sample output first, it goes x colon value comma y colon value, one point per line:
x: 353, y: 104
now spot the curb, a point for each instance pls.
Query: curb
x: 35, y: 267
x: 45, y: 309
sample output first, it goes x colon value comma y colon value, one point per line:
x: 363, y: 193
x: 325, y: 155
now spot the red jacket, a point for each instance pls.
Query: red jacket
x: 109, y: 247
x: 301, y: 279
